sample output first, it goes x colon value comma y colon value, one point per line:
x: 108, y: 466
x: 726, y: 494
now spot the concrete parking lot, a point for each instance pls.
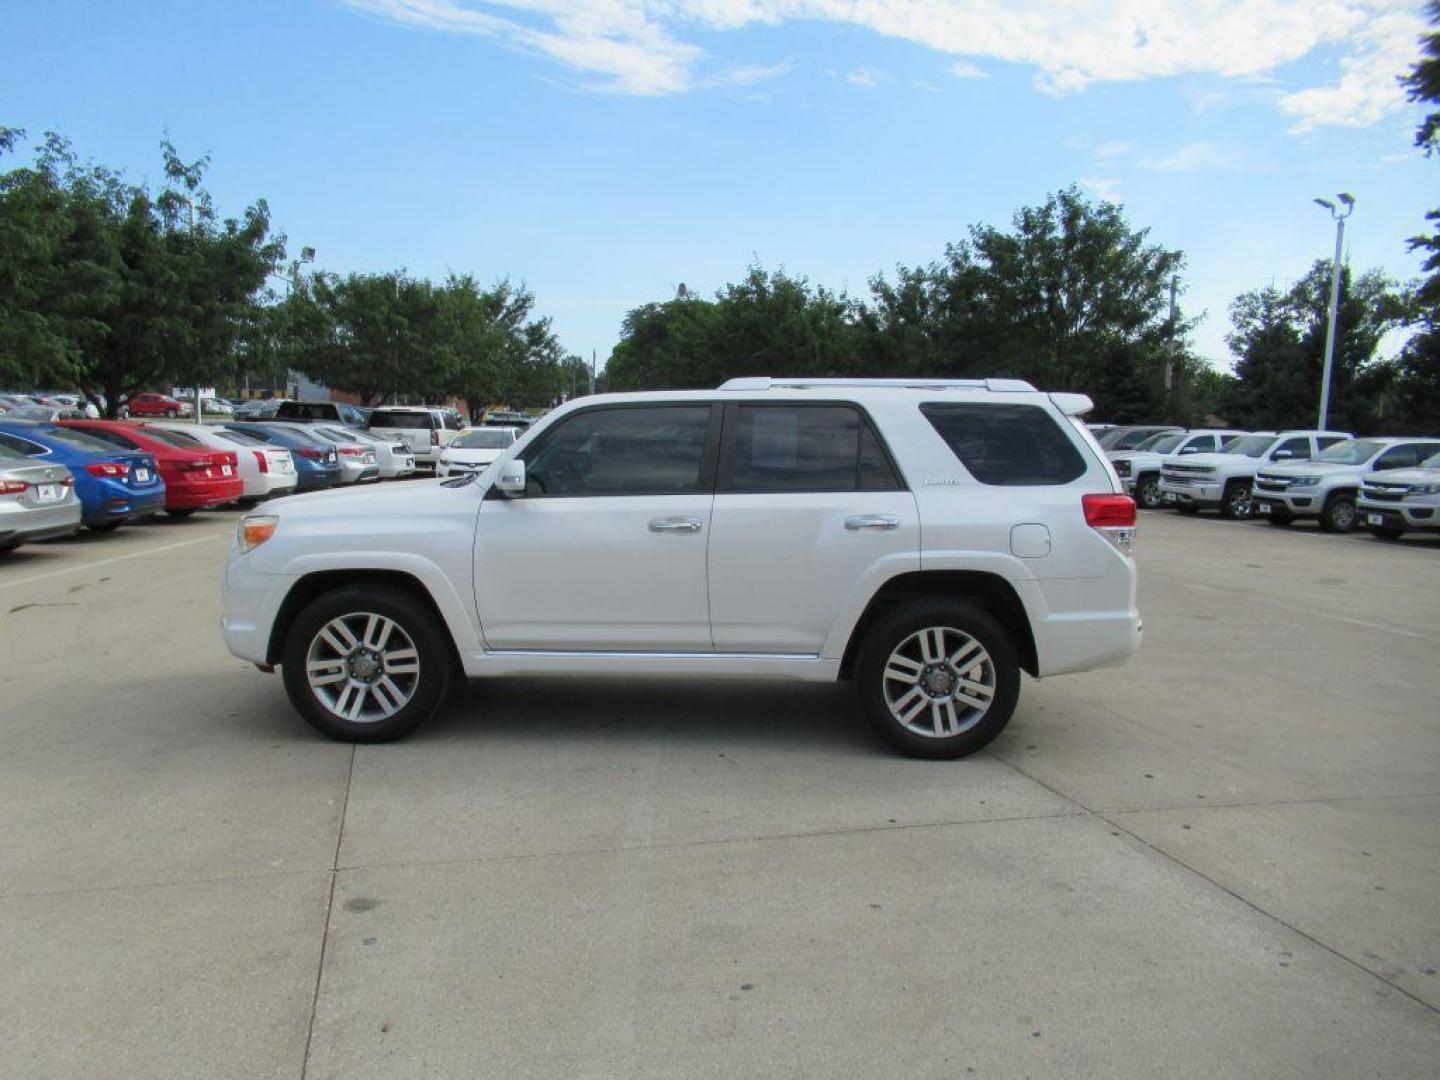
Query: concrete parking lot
x: 1222, y: 860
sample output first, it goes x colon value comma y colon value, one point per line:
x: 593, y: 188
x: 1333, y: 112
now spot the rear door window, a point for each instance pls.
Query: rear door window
x: 1006, y: 445
x: 798, y: 447
x: 1299, y: 449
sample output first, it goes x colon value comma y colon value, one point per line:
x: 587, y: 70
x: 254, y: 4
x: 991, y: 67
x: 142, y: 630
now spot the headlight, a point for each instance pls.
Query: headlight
x: 1425, y: 489
x: 255, y: 530
x: 1305, y: 481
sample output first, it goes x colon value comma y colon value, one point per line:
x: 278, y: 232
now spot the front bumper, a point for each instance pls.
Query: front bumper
x: 1202, y: 493
x: 1305, y: 502
x: 251, y: 602
x: 1399, y: 516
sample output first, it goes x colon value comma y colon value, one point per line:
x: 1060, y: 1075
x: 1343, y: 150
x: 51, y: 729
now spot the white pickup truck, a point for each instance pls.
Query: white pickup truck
x: 1327, y: 488
x: 1224, y: 480
x: 1405, y: 500
x: 1139, y: 469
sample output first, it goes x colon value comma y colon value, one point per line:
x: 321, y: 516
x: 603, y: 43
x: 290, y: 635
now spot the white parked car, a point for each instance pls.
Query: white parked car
x: 1224, y: 480
x: 423, y: 429
x: 267, y: 470
x: 1328, y: 487
x: 927, y: 540
x: 1139, y: 469
x: 393, y: 458
x: 1405, y: 500
x: 358, y: 459
x: 474, y: 448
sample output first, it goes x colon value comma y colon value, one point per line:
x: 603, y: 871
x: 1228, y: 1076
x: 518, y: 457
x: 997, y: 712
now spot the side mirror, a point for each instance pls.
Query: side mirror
x: 511, y: 481
x: 1284, y: 455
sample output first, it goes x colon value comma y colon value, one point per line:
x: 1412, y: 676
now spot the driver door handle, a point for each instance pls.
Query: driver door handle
x: 872, y: 521
x: 675, y: 524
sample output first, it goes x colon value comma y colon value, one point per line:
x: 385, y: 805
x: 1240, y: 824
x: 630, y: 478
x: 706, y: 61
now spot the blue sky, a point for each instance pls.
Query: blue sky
x: 604, y: 151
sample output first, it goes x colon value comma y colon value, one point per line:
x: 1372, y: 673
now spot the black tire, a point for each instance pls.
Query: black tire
x: 1280, y: 518
x: 171, y: 414
x: 894, y: 634
x: 105, y: 526
x: 123, y: 412
x: 181, y: 512
x: 1385, y: 532
x: 1235, y: 503
x: 9, y: 545
x: 414, y: 617
x: 1187, y: 508
x: 1147, y: 492
x: 1339, y: 515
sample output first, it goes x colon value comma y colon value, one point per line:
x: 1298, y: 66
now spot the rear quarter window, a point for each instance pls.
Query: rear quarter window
x: 412, y: 420
x: 1006, y: 445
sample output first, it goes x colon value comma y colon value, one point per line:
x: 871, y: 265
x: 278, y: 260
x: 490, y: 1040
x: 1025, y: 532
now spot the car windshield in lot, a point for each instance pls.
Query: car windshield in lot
x: 77, y: 441
x: 1431, y: 462
x: 1252, y: 445
x: 482, y: 439
x: 175, y: 438
x: 239, y: 438
x: 12, y: 457
x: 1162, y: 443
x: 1351, y: 452
x: 416, y: 419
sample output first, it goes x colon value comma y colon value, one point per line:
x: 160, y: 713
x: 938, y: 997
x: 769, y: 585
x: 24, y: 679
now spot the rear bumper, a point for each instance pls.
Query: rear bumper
x: 39, y: 523
x: 316, y: 480
x: 116, y: 502
x: 182, y: 496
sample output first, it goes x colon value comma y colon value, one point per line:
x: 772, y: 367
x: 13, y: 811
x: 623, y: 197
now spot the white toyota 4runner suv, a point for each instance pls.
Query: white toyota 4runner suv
x: 926, y: 539
x: 1224, y: 480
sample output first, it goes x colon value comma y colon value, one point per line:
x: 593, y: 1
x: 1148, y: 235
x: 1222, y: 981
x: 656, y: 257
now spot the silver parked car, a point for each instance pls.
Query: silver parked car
x: 37, y: 502
x: 392, y: 456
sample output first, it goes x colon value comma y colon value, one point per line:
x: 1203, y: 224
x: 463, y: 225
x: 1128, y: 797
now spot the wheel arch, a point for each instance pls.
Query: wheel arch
x: 988, y: 591
x: 320, y: 582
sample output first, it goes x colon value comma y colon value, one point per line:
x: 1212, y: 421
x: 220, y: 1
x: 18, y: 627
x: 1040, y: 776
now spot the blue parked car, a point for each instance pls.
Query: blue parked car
x: 113, y: 486
x: 317, y: 466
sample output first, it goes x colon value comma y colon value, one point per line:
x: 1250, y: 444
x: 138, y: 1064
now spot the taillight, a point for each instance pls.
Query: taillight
x: 1113, y: 517
x: 110, y: 469
x: 309, y: 452
x: 261, y: 460
x: 13, y: 487
x: 351, y: 451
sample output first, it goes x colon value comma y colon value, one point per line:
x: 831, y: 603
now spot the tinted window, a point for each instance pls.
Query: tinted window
x: 1201, y: 444
x: 21, y: 446
x: 307, y: 410
x: 402, y: 420
x: 1161, y: 444
x: 1251, y: 445
x: 1406, y: 456
x: 77, y: 440
x: 240, y: 438
x: 175, y: 438
x: 1129, y: 440
x: 484, y: 439
x: 622, y: 451
x: 1299, y: 448
x: 114, y: 438
x: 1007, y: 445
x: 805, y: 448
x: 1351, y: 452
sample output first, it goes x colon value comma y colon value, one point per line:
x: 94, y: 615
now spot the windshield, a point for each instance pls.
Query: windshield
x: 31, y: 412
x: 175, y: 438
x: 1252, y: 445
x: 76, y: 441
x: 1351, y: 452
x: 483, y: 439
x: 11, y: 457
x: 239, y: 438
x: 1162, y: 444
x: 1431, y: 462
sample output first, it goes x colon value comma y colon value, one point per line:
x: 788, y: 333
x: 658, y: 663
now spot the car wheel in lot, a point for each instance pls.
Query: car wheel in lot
x: 1236, y: 501
x: 171, y: 414
x: 1339, y: 513
x: 1147, y: 493
x: 9, y: 545
x: 937, y: 679
x: 366, y: 663
x: 181, y: 513
x: 1385, y: 532
x: 105, y: 526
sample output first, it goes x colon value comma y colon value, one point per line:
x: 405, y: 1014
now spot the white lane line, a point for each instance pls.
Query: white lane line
x: 1200, y: 588
x: 113, y: 559
x: 1374, y: 626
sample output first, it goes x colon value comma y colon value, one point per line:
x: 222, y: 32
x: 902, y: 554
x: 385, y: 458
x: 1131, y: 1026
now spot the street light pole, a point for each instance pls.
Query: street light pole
x: 1339, y: 216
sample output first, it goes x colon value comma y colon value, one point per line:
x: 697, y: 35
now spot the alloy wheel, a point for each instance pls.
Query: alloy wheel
x: 939, y: 682
x: 362, y: 667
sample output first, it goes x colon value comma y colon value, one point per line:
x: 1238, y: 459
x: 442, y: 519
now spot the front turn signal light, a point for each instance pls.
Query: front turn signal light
x: 255, y: 530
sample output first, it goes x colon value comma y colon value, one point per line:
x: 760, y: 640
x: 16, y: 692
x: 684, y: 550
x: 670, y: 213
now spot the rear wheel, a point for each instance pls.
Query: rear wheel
x: 181, y: 512
x: 367, y: 663
x: 1147, y: 492
x: 1235, y: 503
x: 1339, y: 513
x: 105, y: 526
x: 937, y: 679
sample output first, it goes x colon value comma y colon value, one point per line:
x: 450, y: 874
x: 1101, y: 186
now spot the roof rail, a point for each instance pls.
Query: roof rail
x: 765, y: 382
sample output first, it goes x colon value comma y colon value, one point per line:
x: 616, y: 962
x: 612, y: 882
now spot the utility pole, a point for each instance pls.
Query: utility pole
x: 1339, y: 216
x: 1170, y: 326
x: 592, y: 371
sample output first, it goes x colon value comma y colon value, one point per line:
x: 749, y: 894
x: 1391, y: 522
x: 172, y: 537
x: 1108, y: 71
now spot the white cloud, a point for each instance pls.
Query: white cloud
x: 1102, y: 187
x: 1195, y: 157
x: 963, y: 69
x: 642, y: 46
x: 1111, y: 149
x: 750, y: 74
x: 866, y: 78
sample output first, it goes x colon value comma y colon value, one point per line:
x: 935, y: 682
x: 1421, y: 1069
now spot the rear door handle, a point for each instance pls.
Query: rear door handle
x: 676, y: 524
x: 872, y: 521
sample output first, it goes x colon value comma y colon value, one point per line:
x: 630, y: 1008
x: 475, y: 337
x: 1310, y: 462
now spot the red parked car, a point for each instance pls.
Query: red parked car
x: 154, y: 405
x: 194, y: 479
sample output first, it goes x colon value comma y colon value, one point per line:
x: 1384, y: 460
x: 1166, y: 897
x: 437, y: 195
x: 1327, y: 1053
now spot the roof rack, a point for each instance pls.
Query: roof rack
x: 765, y: 382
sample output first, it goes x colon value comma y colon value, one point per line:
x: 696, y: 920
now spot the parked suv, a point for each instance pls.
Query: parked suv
x: 1139, y: 469
x: 320, y: 412
x: 1327, y: 487
x: 1224, y: 480
x: 1402, y: 501
x: 770, y: 529
x: 1130, y: 436
x: 424, y: 430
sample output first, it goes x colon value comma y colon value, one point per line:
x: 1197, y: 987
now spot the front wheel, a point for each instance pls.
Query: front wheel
x: 171, y: 414
x: 367, y: 663
x: 937, y: 679
x: 1236, y: 501
x: 1339, y: 514
x: 1148, y: 494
